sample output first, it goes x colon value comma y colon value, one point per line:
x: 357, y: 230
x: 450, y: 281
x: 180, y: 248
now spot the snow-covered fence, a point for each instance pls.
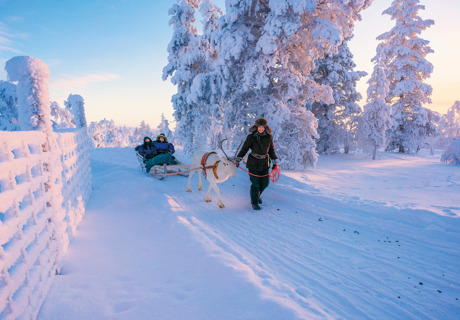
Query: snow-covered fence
x: 43, y: 193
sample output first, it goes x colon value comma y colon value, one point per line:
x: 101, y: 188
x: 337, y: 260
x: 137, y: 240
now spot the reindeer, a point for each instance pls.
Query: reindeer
x: 216, y: 169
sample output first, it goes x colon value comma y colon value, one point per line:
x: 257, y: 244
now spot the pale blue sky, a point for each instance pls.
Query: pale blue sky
x: 113, y: 52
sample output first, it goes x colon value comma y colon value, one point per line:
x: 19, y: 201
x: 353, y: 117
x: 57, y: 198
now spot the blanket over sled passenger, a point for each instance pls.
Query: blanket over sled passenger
x: 158, y: 160
x: 156, y: 153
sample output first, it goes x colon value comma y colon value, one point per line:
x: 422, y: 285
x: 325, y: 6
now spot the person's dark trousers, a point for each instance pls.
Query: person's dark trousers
x: 258, y: 184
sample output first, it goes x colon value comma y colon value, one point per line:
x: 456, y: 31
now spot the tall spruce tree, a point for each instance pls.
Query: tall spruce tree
x: 163, y: 127
x: 376, y: 117
x: 337, y: 120
x: 182, y: 67
x: 403, y: 53
x: 449, y: 126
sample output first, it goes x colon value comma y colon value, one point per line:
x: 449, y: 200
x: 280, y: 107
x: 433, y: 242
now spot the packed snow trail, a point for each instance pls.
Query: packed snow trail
x: 146, y: 249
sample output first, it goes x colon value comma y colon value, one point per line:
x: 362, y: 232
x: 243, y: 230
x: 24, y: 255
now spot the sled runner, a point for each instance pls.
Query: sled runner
x: 162, y: 171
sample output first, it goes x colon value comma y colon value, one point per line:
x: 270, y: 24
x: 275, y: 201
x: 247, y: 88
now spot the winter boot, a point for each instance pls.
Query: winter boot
x: 260, y: 200
x: 256, y: 206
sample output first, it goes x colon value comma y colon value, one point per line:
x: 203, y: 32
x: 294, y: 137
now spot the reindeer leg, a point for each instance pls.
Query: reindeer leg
x: 189, y: 179
x: 220, y: 203
x: 206, y: 198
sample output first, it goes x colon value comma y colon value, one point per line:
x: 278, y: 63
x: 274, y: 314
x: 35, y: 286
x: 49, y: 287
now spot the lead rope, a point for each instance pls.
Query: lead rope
x: 274, y: 174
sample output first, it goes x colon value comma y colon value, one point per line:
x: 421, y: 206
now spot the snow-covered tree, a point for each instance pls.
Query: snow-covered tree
x: 403, y: 53
x: 449, y: 125
x: 163, y: 127
x: 8, y: 107
x: 106, y: 134
x: 337, y: 120
x: 184, y: 63
x: 376, y: 117
x: 62, y: 118
x: 208, y: 112
x: 452, y: 153
x: 142, y: 131
x: 76, y: 105
x: 192, y: 58
x: 267, y: 51
x: 32, y: 92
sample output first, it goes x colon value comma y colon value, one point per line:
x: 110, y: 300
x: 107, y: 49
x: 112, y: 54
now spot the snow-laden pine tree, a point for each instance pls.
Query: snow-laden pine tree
x: 337, y: 120
x: 452, y: 154
x: 163, y: 127
x: 106, y: 134
x: 184, y: 62
x: 376, y: 117
x: 267, y: 50
x: 8, y: 107
x: 208, y: 112
x: 62, y: 118
x: 76, y: 105
x: 97, y: 134
x: 138, y: 134
x: 403, y: 53
x: 449, y: 126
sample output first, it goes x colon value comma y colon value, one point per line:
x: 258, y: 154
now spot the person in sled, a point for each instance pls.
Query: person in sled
x: 147, y: 150
x: 260, y: 141
x: 163, y: 153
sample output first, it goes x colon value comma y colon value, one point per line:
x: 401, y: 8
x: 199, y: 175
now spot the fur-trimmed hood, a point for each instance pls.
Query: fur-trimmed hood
x: 162, y: 135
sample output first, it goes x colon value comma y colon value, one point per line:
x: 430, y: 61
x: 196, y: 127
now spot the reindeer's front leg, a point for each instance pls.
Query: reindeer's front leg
x: 220, y: 203
x: 213, y: 184
x: 206, y: 198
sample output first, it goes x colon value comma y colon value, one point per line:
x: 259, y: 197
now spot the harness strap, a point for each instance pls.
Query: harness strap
x: 213, y: 167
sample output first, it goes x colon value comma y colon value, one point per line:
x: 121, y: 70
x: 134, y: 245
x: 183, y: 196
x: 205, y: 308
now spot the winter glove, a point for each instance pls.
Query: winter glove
x: 237, y: 161
x: 275, y: 163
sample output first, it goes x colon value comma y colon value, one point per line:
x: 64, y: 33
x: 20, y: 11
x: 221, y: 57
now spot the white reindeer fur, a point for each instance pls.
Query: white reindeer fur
x: 225, y: 169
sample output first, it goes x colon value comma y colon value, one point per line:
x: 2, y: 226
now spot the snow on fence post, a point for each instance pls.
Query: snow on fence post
x: 32, y: 75
x: 45, y: 182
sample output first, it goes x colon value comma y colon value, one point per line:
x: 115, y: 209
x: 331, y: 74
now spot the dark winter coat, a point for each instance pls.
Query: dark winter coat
x: 163, y: 147
x: 261, y: 144
x: 147, y: 149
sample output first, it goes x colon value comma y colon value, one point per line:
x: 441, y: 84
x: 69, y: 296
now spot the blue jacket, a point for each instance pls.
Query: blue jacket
x: 147, y: 148
x: 163, y: 147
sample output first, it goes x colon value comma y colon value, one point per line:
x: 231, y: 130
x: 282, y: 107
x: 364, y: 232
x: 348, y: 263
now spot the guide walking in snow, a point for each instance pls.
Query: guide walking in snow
x: 260, y: 141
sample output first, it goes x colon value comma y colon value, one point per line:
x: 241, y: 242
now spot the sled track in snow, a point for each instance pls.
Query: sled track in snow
x: 313, y: 259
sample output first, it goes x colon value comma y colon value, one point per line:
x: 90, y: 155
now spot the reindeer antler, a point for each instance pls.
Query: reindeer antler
x: 235, y: 152
x: 221, y: 148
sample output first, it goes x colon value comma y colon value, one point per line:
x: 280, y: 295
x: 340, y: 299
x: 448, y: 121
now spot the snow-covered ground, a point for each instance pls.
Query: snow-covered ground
x: 353, y: 239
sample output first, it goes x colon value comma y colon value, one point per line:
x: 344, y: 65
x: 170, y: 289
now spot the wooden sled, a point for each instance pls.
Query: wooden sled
x: 161, y: 172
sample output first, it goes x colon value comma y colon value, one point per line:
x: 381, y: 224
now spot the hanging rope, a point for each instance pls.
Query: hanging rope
x: 274, y: 174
